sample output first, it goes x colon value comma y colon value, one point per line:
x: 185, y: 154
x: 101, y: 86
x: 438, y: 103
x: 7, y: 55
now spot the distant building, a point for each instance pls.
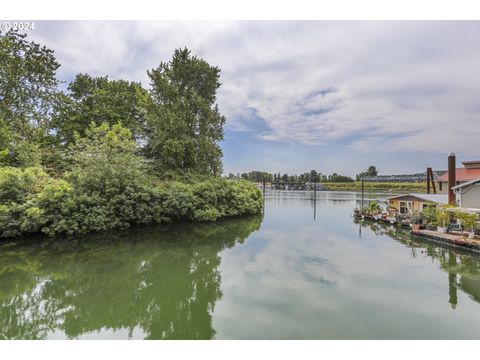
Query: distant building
x: 419, y: 177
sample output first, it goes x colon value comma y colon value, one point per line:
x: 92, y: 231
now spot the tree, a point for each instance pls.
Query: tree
x: 185, y: 124
x: 28, y: 93
x: 105, y: 161
x: 339, y: 178
x: 371, y: 171
x: 100, y: 100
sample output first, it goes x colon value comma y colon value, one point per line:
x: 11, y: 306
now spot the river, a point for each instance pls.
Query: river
x: 304, y: 270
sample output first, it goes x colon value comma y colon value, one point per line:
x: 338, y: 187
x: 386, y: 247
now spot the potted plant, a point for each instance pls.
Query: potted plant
x: 416, y: 220
x: 442, y: 218
x: 469, y: 222
x: 374, y: 209
x: 429, y: 215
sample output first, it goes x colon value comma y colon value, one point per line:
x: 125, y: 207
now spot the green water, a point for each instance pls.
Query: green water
x: 306, y: 270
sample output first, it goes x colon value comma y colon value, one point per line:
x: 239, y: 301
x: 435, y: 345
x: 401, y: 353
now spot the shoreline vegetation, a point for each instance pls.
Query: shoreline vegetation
x: 383, y: 187
x: 333, y: 182
x: 106, y: 154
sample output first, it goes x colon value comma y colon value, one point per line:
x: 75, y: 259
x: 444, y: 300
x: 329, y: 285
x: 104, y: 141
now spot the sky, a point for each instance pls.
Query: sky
x: 299, y: 95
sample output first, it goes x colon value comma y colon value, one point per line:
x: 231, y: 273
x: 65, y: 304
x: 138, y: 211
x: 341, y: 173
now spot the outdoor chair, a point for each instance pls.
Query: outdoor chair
x: 454, y: 228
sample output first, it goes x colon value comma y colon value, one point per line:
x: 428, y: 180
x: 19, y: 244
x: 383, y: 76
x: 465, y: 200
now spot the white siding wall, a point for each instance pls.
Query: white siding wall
x: 471, y: 198
x: 444, y: 187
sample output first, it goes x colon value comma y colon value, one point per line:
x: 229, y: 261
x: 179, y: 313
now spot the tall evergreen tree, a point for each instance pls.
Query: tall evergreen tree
x: 185, y: 124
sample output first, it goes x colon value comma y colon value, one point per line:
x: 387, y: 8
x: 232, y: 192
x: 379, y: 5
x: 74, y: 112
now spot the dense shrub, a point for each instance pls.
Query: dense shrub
x: 59, y: 208
x: 107, y: 187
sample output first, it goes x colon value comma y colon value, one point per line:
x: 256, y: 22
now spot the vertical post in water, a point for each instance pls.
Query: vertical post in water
x: 264, y: 195
x: 314, y: 200
x: 363, y: 189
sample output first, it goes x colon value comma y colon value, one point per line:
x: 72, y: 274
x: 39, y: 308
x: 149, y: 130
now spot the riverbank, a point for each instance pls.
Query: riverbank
x: 386, y: 187
x: 35, y: 203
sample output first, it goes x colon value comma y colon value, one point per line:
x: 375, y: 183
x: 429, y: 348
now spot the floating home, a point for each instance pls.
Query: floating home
x: 459, y: 176
x: 468, y: 194
x: 407, y: 204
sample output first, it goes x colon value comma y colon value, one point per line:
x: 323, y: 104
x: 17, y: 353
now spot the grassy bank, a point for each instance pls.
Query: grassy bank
x: 378, y: 186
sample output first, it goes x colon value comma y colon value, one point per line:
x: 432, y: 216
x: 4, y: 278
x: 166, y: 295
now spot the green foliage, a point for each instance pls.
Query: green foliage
x: 28, y: 89
x: 371, y: 171
x: 430, y: 214
x: 442, y: 217
x: 74, y: 162
x: 105, y: 161
x: 184, y: 123
x: 39, y: 203
x: 373, y: 208
x: 395, y: 187
x: 335, y: 178
x: 16, y: 184
x: 255, y: 176
x: 469, y: 221
x: 100, y: 100
x: 417, y: 217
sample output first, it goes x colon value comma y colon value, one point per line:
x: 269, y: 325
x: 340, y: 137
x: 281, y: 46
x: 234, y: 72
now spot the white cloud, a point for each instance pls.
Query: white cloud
x: 401, y: 86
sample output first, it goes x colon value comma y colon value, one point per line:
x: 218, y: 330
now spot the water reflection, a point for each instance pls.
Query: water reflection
x: 461, y: 266
x: 154, y: 283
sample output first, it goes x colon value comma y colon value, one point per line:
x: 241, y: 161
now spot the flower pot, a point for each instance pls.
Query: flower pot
x: 442, y: 230
x: 471, y: 235
x: 415, y: 227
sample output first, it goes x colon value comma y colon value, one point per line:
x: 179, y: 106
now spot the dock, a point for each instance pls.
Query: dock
x: 451, y: 239
x: 456, y: 240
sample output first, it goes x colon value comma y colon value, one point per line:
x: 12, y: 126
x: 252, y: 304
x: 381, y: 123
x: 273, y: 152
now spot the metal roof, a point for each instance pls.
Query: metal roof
x: 462, y: 174
x: 471, y: 182
x: 436, y: 198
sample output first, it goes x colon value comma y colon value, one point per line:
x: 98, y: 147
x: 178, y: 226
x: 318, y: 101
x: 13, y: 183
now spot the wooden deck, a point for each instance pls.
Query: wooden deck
x: 451, y: 239
x: 456, y: 240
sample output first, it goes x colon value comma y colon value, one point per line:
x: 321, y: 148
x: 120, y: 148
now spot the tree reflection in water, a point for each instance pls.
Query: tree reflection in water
x: 160, y: 282
x: 463, y: 267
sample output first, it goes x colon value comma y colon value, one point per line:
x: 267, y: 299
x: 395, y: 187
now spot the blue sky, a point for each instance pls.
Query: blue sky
x: 327, y: 95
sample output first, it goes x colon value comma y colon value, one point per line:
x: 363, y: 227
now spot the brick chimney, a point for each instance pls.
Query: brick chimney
x: 451, y: 178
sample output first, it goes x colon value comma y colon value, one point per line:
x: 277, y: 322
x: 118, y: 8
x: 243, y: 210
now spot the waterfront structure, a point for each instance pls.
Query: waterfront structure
x: 470, y: 171
x: 409, y: 203
x: 468, y: 194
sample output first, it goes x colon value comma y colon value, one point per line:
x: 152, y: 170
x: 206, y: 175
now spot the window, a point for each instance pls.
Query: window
x: 404, y: 206
x: 440, y: 186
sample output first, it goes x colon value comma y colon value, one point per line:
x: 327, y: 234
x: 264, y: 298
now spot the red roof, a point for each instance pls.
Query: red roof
x: 462, y: 174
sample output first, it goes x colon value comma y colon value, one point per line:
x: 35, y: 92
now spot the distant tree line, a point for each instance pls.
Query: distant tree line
x: 311, y: 176
x: 371, y: 171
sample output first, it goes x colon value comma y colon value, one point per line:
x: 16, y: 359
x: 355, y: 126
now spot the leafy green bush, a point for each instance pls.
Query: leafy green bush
x: 16, y: 183
x: 108, y: 187
x: 468, y: 220
x: 60, y: 208
x: 442, y: 217
x: 430, y: 215
x: 373, y: 208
